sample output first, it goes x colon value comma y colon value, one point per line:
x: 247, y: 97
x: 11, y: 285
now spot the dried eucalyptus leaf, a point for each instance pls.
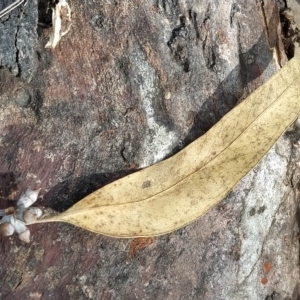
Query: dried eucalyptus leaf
x: 177, y: 191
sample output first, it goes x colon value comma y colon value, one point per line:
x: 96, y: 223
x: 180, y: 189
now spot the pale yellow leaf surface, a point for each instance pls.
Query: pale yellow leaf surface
x: 177, y: 191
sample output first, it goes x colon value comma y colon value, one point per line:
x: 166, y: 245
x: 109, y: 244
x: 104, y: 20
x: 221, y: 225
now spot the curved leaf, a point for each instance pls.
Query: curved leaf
x: 177, y: 191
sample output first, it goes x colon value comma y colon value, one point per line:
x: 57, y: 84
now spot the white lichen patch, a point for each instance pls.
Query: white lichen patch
x: 261, y: 206
x: 158, y: 139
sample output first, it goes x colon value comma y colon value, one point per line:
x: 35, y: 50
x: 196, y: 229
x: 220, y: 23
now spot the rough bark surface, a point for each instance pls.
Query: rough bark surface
x: 132, y: 83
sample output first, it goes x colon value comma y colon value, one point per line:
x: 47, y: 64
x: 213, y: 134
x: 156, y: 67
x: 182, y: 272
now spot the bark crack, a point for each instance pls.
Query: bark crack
x: 20, y: 16
x: 262, y: 6
x: 276, y: 48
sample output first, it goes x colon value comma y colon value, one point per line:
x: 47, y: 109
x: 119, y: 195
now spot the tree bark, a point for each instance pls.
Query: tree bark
x: 132, y: 83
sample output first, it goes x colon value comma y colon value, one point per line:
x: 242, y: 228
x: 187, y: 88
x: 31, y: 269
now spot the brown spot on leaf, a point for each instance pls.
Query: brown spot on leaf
x: 146, y: 184
x: 193, y: 202
x: 138, y: 244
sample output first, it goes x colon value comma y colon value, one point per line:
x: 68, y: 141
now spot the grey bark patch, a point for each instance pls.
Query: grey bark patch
x: 18, y: 40
x: 160, y: 137
x: 178, y: 44
x: 100, y: 23
x: 23, y: 98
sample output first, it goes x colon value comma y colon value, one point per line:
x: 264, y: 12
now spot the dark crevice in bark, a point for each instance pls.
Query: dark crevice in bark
x: 45, y: 12
x: 178, y: 44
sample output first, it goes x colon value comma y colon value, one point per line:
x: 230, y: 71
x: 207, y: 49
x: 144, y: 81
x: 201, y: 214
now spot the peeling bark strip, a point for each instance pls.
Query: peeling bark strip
x: 61, y: 22
x: 91, y: 102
